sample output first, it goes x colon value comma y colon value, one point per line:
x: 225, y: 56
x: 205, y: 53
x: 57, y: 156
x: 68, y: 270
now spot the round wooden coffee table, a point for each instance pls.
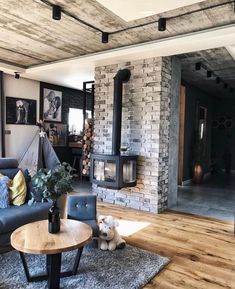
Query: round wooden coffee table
x: 34, y: 238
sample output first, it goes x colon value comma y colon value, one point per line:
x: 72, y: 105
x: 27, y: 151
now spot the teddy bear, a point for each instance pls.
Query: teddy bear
x: 109, y: 238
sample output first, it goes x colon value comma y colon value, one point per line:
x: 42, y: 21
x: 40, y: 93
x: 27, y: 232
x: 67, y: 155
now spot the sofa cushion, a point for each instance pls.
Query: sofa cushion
x: 6, y: 163
x: 18, y: 189
x: 4, y: 194
x: 14, y: 216
x: 10, y: 173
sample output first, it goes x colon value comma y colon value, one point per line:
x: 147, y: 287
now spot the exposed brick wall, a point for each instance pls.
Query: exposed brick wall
x: 145, y: 129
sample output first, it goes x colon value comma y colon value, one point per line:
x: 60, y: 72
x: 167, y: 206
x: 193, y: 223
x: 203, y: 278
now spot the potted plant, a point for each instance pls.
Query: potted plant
x: 50, y: 185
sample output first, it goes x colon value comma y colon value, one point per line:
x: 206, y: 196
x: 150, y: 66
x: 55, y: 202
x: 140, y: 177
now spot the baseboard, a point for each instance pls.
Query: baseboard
x: 190, y: 181
x: 187, y: 182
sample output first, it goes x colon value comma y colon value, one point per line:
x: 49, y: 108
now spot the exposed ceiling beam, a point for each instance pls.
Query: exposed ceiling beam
x: 190, y: 42
x: 231, y: 50
x: 11, y: 68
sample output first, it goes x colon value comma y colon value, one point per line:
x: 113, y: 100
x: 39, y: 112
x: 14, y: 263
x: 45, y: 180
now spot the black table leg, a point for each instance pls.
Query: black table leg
x: 77, y: 260
x: 53, y: 269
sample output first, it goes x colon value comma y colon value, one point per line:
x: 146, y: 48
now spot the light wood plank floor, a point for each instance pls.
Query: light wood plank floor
x: 202, y: 250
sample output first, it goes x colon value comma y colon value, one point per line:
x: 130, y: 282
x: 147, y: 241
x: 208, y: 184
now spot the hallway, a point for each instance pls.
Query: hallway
x: 214, y: 198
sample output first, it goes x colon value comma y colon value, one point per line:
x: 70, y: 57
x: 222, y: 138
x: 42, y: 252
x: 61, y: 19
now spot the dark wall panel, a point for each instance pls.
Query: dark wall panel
x: 195, y: 97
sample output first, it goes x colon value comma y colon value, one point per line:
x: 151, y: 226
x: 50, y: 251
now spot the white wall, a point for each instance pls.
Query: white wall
x: 21, y: 135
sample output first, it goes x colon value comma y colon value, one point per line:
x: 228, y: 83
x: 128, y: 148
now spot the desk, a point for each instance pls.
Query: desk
x: 75, y: 144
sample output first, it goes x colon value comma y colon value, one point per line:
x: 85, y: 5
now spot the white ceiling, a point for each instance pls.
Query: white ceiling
x: 135, y: 9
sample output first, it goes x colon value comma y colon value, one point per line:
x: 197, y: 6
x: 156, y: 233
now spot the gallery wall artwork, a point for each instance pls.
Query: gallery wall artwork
x: 20, y: 111
x: 57, y: 133
x: 52, y: 105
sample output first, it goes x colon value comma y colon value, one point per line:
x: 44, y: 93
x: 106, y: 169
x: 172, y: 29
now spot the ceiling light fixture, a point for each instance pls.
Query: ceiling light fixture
x: 225, y: 85
x: 198, y: 66
x: 56, y: 12
x: 209, y: 73
x: 17, y: 75
x: 161, y: 24
x: 218, y: 79
x: 104, y: 37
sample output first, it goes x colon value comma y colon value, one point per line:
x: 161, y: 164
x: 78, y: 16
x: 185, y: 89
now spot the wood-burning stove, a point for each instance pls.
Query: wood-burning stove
x: 116, y: 170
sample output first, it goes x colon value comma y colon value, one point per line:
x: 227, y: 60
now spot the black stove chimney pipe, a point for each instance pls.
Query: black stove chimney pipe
x: 123, y: 75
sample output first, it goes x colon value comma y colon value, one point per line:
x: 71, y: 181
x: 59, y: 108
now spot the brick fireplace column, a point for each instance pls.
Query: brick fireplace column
x: 148, y: 124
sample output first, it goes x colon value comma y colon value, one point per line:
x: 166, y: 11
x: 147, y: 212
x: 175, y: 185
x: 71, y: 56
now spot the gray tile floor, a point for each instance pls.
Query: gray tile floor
x: 214, y: 198
x: 83, y: 186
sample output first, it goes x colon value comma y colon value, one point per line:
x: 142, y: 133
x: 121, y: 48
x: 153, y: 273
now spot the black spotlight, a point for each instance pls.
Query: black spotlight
x: 225, y: 85
x: 105, y: 37
x: 17, y: 75
x: 56, y: 12
x: 198, y: 66
x: 231, y: 89
x: 161, y: 24
x: 218, y: 80
x: 209, y: 73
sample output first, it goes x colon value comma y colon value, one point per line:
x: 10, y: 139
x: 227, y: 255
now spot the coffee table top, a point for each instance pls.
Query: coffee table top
x: 34, y: 237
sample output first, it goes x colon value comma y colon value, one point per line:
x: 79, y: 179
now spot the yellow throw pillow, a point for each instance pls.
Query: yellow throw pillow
x: 18, y: 189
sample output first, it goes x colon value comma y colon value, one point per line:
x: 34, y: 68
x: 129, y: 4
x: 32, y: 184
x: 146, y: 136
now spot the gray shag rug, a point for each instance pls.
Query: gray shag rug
x: 129, y: 268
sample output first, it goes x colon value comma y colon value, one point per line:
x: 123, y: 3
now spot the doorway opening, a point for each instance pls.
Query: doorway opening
x: 206, y: 170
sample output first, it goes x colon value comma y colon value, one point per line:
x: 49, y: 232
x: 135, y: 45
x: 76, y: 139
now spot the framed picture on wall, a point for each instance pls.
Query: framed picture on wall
x: 20, y: 111
x: 52, y: 105
x: 57, y: 133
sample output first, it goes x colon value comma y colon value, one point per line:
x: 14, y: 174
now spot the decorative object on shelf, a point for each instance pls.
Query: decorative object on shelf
x: 20, y: 111
x: 52, y: 105
x: 87, y: 146
x: 57, y: 133
x: 50, y: 185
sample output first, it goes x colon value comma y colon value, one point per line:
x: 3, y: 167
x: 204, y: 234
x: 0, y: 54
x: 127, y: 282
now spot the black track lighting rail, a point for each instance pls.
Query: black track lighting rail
x: 209, y: 74
x: 161, y: 21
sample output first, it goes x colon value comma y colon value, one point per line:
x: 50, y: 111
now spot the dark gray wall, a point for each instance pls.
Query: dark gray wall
x: 194, y: 98
x: 223, y: 139
x: 174, y: 131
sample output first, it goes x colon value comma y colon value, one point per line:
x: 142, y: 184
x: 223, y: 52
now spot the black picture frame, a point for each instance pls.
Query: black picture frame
x: 21, y: 111
x: 57, y: 133
x: 51, y: 105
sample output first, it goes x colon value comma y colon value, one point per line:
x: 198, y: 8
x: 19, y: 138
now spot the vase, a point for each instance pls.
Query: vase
x: 54, y: 219
x: 198, y: 174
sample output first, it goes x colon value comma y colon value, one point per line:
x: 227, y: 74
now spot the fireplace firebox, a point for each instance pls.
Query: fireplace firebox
x: 116, y: 170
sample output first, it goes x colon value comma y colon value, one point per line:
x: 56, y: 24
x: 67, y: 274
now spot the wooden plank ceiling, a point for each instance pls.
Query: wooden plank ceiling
x: 29, y: 36
x: 219, y: 61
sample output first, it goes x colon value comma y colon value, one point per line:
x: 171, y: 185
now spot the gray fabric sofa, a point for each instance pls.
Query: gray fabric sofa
x: 16, y: 216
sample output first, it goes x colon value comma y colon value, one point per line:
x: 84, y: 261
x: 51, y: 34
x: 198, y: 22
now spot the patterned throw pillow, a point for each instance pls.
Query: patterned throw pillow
x: 4, y: 194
